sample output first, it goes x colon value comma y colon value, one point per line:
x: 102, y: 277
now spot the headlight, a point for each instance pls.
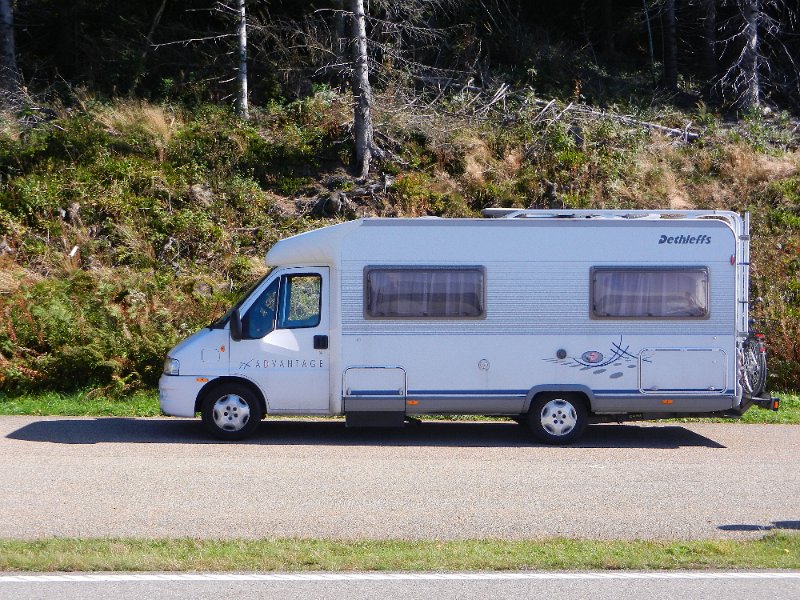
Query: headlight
x: 172, y: 366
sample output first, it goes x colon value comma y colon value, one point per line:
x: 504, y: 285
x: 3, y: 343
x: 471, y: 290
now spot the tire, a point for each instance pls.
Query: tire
x: 754, y: 369
x: 231, y: 411
x: 558, y: 418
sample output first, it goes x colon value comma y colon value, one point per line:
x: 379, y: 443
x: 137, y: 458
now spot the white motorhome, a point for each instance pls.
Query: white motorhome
x: 555, y: 319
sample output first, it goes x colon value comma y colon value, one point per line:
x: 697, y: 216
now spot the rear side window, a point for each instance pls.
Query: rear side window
x: 647, y: 293
x: 424, y: 292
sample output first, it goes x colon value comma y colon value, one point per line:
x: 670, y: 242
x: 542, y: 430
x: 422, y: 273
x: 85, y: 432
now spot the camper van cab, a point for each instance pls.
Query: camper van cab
x: 553, y: 319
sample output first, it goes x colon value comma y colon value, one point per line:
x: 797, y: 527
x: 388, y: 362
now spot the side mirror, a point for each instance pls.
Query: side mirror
x: 236, y: 326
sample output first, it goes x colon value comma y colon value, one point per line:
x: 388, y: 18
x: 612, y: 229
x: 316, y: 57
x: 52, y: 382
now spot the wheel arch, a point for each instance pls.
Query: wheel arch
x: 220, y: 381
x: 585, y: 393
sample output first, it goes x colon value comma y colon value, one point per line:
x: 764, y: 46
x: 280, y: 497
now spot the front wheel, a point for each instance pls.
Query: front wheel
x: 557, y: 418
x: 231, y: 412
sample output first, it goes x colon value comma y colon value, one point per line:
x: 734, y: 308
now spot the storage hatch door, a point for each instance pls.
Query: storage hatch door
x: 374, y: 396
x: 683, y: 371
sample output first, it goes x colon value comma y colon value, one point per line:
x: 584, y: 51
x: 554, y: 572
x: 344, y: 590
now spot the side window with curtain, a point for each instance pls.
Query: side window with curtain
x: 650, y: 293
x: 424, y: 292
x: 260, y: 317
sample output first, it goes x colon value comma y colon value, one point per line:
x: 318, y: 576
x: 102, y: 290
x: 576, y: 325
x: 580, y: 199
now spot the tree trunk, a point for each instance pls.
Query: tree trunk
x: 709, y: 53
x: 241, y: 99
x: 66, y: 58
x: 9, y: 75
x: 751, y: 93
x: 670, y: 47
x: 650, y: 42
x: 148, y: 41
x: 607, y: 27
x: 362, y: 92
x: 341, y: 43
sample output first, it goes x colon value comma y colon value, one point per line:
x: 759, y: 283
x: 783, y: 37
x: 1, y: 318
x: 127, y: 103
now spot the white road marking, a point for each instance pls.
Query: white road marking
x: 327, y: 577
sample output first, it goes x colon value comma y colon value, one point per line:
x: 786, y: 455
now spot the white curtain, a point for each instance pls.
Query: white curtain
x: 425, y: 293
x: 641, y: 293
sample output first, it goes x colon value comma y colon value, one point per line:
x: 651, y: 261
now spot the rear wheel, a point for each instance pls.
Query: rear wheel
x: 557, y: 418
x: 231, y: 411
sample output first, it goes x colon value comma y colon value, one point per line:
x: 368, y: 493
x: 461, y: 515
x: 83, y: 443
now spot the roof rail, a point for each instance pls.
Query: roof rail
x: 528, y: 213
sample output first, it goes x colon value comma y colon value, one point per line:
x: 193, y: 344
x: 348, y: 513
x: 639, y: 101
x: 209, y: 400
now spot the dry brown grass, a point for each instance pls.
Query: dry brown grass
x: 127, y: 116
x: 741, y: 174
x: 131, y: 237
x: 656, y: 179
x: 513, y: 160
x: 725, y: 177
x: 12, y: 276
x: 477, y: 159
x: 745, y: 165
x: 444, y: 183
x: 9, y: 126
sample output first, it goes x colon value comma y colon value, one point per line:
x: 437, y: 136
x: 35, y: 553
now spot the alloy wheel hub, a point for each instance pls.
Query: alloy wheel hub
x: 231, y: 412
x: 558, y: 417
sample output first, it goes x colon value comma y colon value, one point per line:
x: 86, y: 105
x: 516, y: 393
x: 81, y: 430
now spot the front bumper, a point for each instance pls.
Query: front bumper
x: 177, y: 394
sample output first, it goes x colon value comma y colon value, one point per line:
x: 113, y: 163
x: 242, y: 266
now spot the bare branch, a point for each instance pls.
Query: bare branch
x: 186, y: 42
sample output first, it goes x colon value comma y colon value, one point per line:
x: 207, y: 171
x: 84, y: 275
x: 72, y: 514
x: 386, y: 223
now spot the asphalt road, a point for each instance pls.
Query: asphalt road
x: 553, y: 586
x: 165, y: 478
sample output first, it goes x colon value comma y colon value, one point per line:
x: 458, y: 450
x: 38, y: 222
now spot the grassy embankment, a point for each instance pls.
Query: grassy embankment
x: 126, y: 225
x: 776, y: 550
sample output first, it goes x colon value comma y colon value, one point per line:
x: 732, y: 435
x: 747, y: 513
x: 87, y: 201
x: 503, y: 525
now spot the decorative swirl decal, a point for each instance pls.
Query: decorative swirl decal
x: 593, y: 360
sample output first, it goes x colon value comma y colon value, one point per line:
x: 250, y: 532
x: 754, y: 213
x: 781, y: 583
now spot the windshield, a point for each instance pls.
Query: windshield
x: 223, y: 320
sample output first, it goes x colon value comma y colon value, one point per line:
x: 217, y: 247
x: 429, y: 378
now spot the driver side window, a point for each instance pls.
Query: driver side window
x: 295, y: 300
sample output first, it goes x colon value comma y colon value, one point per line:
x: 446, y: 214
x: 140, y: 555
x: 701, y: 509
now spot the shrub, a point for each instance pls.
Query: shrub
x: 89, y: 329
x: 419, y: 194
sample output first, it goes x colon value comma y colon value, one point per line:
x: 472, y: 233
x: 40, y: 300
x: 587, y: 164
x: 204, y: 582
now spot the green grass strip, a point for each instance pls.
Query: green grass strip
x: 90, y: 403
x: 144, y: 403
x: 776, y: 550
x: 788, y: 414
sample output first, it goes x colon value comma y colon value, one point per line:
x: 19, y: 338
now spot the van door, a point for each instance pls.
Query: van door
x: 284, y: 345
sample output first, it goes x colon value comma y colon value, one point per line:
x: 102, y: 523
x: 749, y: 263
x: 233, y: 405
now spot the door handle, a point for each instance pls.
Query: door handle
x: 320, y: 342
